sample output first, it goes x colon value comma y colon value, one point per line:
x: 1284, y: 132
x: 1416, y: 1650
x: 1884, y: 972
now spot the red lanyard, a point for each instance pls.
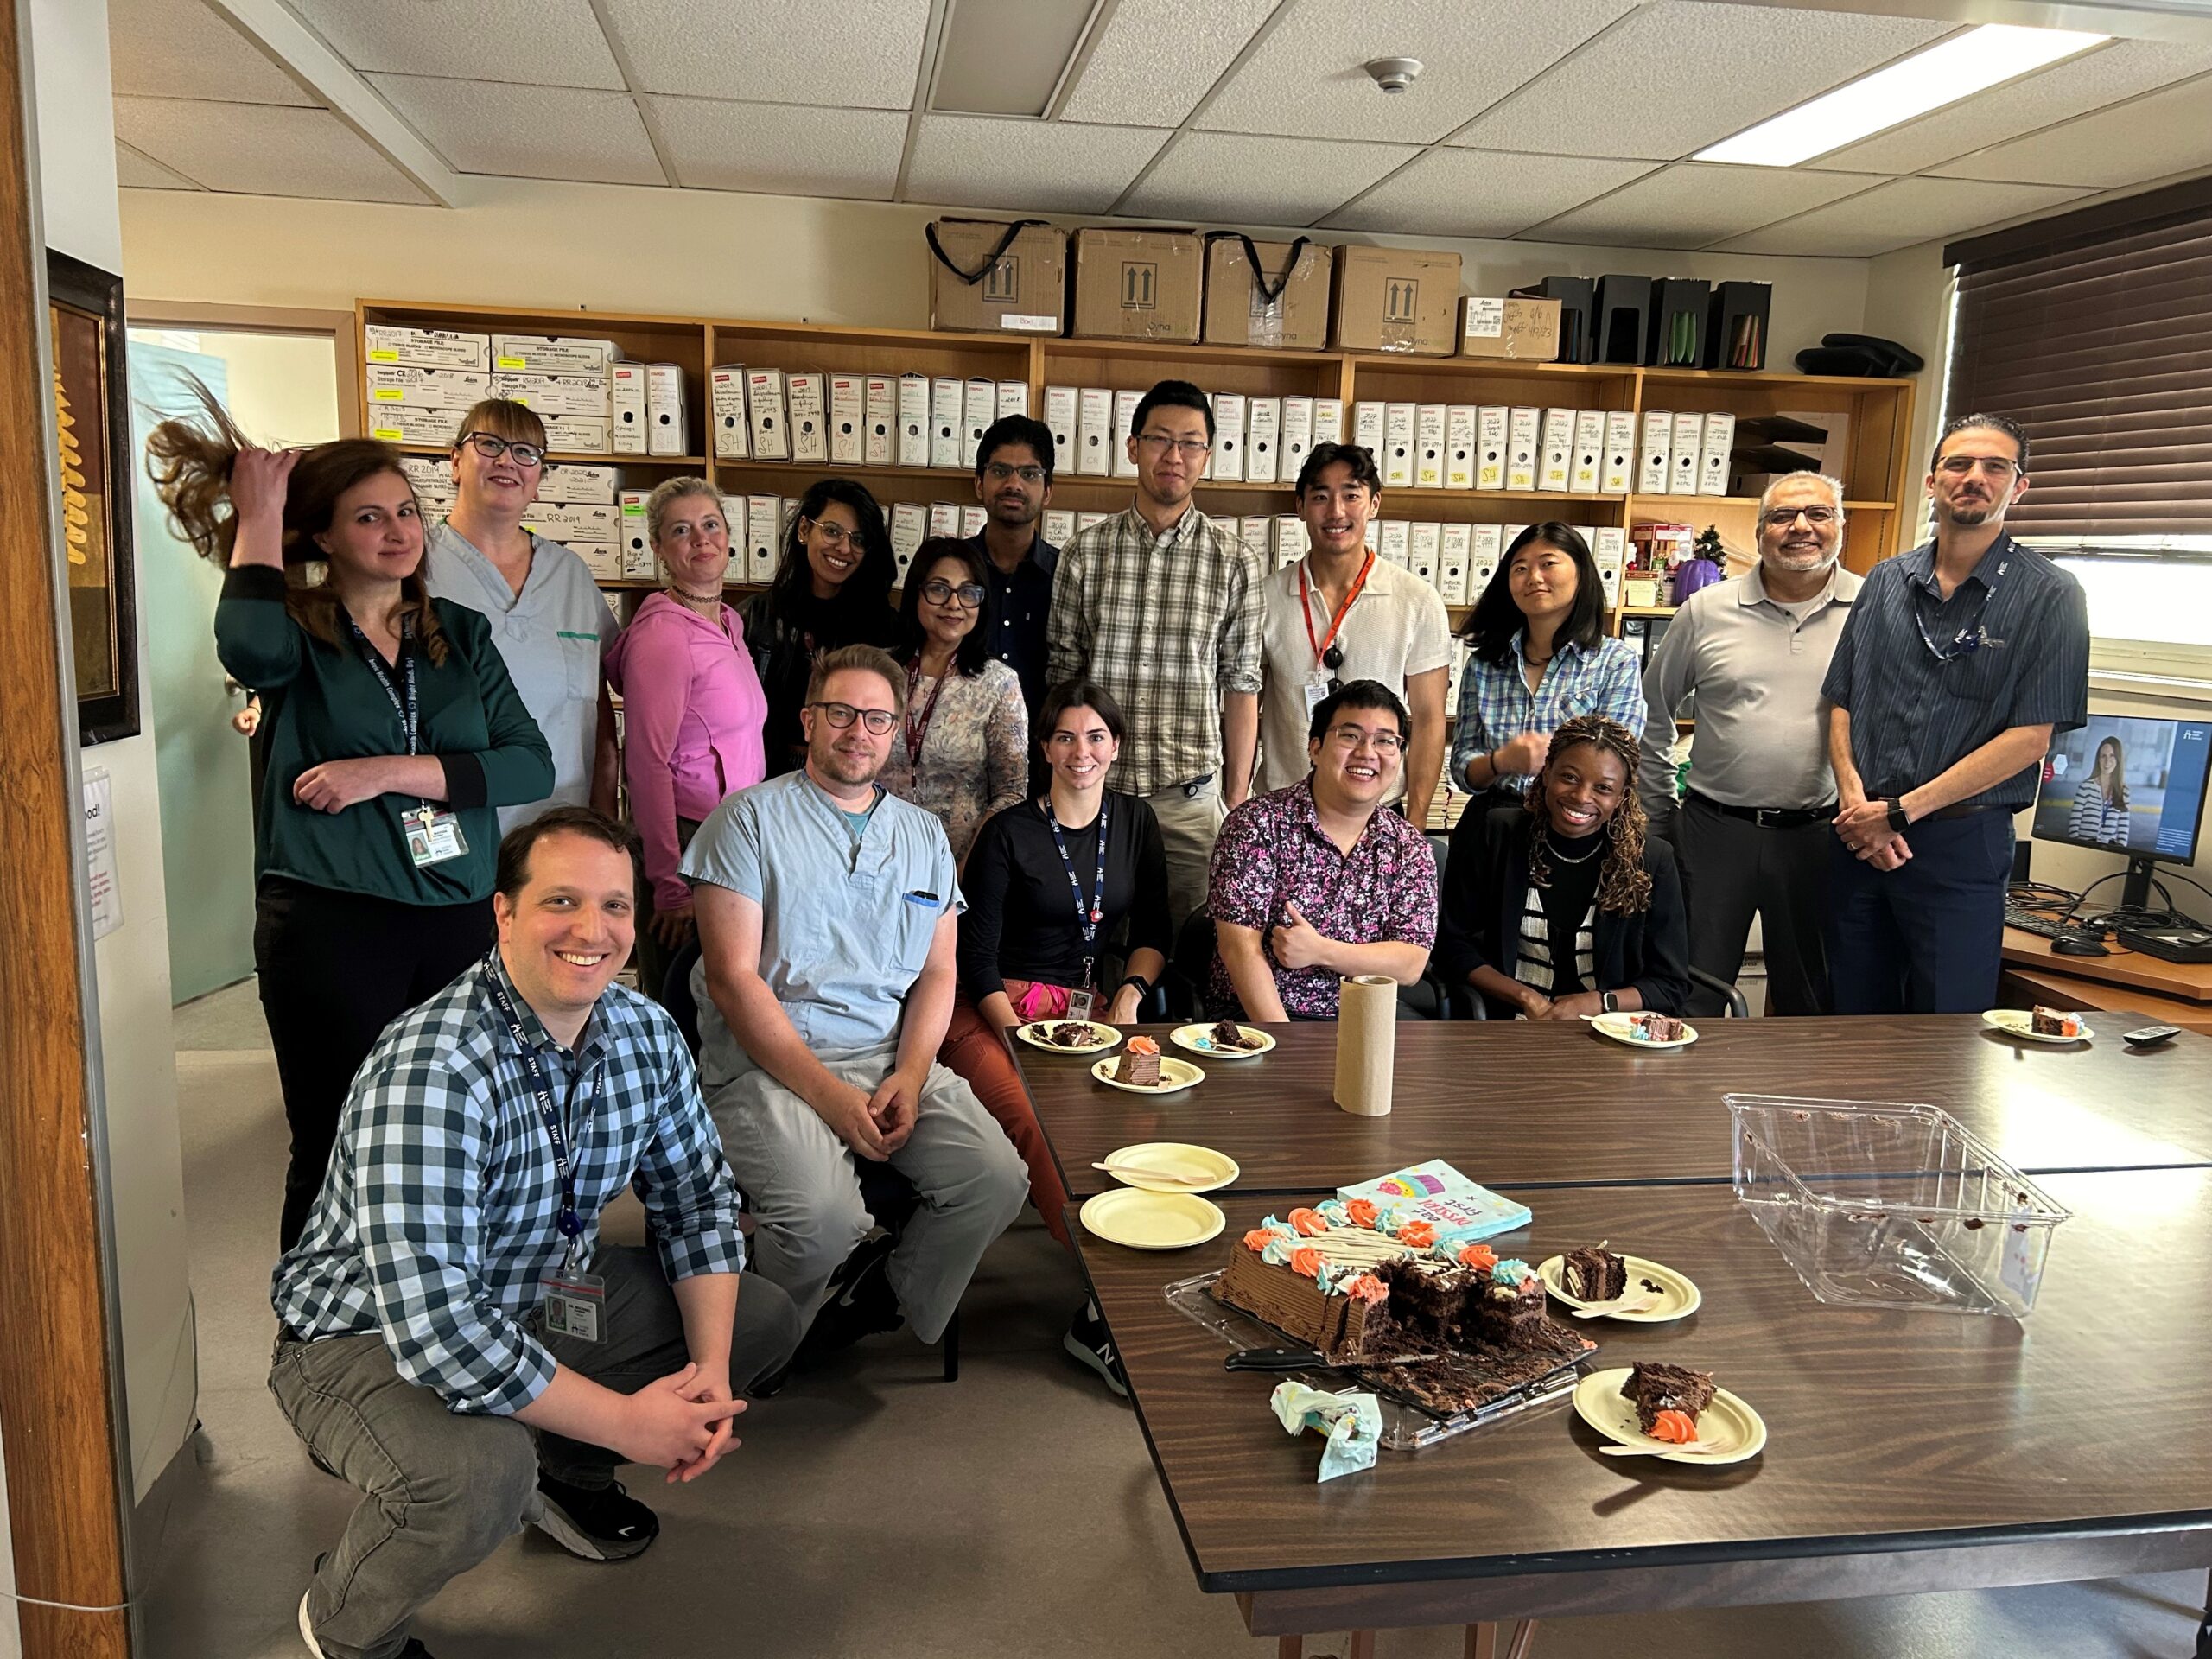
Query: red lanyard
x: 917, y: 732
x: 1305, y: 609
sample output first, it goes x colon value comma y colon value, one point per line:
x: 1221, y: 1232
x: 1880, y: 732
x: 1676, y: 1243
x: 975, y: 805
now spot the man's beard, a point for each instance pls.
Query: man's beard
x: 850, y: 768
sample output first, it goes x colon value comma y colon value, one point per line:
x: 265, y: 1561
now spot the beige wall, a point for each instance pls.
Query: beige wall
x: 609, y: 247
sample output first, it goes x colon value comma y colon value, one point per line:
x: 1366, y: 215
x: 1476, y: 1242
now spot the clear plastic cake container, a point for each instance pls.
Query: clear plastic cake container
x: 1878, y: 1205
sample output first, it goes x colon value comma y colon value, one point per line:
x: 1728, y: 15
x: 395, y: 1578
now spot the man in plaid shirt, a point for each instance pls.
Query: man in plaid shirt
x: 1162, y: 606
x: 453, y: 1341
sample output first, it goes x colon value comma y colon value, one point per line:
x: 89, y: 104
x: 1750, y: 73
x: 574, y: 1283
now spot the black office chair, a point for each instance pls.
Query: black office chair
x: 888, y: 1196
x: 1430, y: 997
x: 1467, y: 1004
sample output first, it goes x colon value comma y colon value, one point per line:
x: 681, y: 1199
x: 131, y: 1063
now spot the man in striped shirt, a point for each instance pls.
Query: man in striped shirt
x: 1959, y: 661
x: 1162, y: 606
x: 453, y: 1341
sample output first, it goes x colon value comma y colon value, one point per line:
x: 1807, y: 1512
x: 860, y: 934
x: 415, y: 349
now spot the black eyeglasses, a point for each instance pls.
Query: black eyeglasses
x: 842, y: 715
x: 968, y: 595
x: 491, y: 446
x: 998, y: 472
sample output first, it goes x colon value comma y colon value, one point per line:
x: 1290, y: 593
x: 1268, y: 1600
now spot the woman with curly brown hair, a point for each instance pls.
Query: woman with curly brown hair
x: 1561, y: 906
x: 391, y: 732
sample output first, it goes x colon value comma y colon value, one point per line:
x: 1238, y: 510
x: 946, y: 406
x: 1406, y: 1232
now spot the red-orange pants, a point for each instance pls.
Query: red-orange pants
x: 974, y: 1049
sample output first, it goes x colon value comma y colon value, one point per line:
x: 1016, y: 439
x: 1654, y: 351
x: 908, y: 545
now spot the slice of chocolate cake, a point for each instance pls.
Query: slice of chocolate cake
x: 1140, y: 1064
x: 1229, y: 1035
x: 1593, y: 1273
x: 2051, y: 1022
x: 1072, y: 1033
x: 1656, y: 1387
x: 1658, y: 1028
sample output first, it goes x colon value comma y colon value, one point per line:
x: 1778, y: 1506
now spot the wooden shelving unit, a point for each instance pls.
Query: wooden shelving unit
x: 1877, y: 476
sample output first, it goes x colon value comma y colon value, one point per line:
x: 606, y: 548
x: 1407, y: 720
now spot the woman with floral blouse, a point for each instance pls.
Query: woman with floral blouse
x: 962, y: 751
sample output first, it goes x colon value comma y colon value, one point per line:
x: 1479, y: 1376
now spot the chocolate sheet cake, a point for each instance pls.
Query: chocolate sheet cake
x: 1656, y: 1387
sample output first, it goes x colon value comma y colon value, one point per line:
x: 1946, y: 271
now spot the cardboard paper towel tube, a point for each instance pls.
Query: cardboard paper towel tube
x: 1367, y: 1042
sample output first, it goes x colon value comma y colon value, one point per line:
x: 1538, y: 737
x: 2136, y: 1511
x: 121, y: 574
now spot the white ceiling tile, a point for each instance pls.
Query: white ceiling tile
x: 1237, y: 178
x: 1693, y: 203
x: 179, y: 48
x: 848, y: 54
x: 1898, y: 214
x: 2168, y: 131
x: 2067, y: 89
x: 1731, y: 67
x: 261, y: 150
x: 1053, y: 166
x: 538, y: 42
x: 528, y: 132
x: 1481, y: 192
x: 1129, y: 80
x: 782, y: 149
x: 1305, y: 78
x: 134, y: 172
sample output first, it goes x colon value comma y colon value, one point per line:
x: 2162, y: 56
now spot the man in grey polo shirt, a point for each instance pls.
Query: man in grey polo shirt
x: 1752, y: 835
x: 826, y: 910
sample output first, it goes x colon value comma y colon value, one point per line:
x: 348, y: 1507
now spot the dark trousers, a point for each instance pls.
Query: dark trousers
x: 1926, y: 937
x: 336, y: 969
x: 1732, y: 870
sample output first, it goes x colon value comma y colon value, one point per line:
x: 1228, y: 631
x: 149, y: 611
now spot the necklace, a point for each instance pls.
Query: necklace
x: 698, y: 603
x: 1551, y: 842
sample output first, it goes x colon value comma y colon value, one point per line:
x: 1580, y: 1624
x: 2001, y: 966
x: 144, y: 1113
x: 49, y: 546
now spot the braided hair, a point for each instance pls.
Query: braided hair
x: 1623, y: 884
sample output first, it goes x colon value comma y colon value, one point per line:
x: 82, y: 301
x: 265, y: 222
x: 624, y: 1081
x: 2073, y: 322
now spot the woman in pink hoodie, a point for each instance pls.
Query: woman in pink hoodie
x: 692, y: 707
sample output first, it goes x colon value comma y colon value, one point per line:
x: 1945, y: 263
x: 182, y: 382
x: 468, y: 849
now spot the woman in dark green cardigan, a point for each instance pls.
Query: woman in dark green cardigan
x: 391, y: 731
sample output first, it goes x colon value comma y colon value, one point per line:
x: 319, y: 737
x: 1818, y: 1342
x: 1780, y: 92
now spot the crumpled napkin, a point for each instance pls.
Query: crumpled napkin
x: 1353, y: 1423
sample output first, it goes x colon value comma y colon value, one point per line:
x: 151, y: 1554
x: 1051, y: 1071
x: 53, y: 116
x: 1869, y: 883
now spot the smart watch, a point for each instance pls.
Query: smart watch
x: 1610, y: 1000
x: 1899, y: 821
x: 1143, y: 985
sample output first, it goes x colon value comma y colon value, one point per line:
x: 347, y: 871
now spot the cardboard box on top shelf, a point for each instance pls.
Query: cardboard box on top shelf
x: 554, y: 394
x: 726, y: 392
x: 426, y: 348
x: 1270, y: 294
x: 407, y: 423
x: 577, y: 435
x: 995, y: 276
x: 1138, y: 284
x: 400, y: 383
x: 553, y: 354
x: 1395, y: 300
x: 1524, y: 330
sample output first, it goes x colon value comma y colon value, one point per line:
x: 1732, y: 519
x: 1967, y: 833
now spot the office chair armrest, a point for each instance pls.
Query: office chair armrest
x: 1738, y: 1008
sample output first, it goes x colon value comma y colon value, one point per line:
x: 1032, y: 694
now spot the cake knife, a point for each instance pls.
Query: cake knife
x: 1308, y: 1359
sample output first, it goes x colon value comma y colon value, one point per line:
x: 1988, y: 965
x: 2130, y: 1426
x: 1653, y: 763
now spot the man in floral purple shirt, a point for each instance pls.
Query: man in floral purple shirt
x: 1320, y: 881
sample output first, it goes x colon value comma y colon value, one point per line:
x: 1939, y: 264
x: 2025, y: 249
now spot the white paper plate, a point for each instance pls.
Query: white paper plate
x: 1152, y: 1221
x: 1175, y: 1076
x: 1202, y: 1167
x: 1730, y: 1427
x: 1199, y: 1041
x: 1103, y: 1036
x: 2019, y: 1022
x: 1621, y: 1027
x: 1679, y: 1296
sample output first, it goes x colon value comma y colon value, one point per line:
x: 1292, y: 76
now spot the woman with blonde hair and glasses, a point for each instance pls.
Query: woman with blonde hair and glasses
x: 832, y: 589
x: 548, y: 619
x: 392, y: 731
x: 692, y: 707
x: 1560, y: 906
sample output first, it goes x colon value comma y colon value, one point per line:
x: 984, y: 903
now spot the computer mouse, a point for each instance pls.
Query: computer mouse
x: 2077, y: 948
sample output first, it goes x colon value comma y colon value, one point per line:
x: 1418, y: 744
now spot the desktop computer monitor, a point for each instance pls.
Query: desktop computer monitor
x: 2131, y: 786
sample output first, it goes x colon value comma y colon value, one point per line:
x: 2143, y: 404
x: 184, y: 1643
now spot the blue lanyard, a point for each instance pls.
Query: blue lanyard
x: 409, y: 714
x: 1969, y: 638
x: 1086, y: 916
x: 571, y: 1225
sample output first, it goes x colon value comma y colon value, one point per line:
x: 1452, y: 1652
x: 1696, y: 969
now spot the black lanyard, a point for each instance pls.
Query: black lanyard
x: 571, y: 1225
x: 1089, y: 916
x: 1969, y: 638
x: 403, y: 696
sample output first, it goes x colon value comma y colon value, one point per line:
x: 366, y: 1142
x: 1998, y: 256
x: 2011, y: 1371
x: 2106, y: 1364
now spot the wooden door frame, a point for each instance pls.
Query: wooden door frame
x: 60, y: 1405
x: 266, y: 320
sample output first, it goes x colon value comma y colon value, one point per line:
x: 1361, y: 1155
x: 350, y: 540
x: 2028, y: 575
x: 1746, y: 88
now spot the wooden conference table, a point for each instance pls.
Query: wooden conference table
x: 1907, y: 1452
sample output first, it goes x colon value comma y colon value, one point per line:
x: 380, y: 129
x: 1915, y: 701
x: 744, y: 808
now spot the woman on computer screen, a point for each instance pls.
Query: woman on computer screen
x: 2101, y: 803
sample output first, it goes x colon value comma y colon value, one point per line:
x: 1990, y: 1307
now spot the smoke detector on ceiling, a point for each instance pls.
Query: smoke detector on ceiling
x: 1395, y: 74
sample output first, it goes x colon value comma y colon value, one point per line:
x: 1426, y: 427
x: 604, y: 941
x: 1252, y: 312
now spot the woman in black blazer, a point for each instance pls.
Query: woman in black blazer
x: 1561, y: 906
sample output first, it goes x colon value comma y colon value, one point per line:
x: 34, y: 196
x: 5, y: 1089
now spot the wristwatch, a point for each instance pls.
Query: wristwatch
x: 1142, y: 984
x: 1609, y: 1001
x: 1898, y: 822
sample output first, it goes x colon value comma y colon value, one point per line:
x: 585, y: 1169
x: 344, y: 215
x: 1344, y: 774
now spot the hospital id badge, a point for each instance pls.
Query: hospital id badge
x: 575, y: 1306
x: 1316, y: 691
x: 434, y: 836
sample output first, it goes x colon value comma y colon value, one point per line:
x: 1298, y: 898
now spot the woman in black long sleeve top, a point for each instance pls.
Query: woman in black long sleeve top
x: 1562, y: 907
x: 1043, y: 909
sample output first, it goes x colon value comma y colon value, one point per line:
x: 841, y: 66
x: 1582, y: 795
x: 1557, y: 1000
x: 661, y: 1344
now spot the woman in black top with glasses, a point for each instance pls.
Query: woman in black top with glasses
x: 832, y: 588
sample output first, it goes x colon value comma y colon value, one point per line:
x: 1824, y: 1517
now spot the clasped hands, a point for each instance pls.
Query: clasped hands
x: 1864, y: 826
x: 875, y: 1125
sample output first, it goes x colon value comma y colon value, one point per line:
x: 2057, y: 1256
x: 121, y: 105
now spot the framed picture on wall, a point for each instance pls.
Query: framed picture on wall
x: 91, y: 417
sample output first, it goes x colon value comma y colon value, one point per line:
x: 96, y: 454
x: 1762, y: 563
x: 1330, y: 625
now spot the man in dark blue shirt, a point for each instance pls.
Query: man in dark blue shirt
x: 1014, y: 481
x: 1959, y: 661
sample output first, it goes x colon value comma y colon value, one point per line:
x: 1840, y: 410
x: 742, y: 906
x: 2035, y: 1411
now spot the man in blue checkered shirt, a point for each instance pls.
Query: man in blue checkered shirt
x: 454, y: 1340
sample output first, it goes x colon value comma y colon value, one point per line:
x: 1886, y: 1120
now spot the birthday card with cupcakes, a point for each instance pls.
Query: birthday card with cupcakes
x: 1461, y: 1210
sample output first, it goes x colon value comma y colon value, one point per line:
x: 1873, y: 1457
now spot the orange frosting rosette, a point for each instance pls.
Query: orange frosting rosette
x: 1361, y: 1212
x: 1306, y: 1261
x: 1419, y: 1233
x: 1143, y: 1046
x: 1367, y: 1288
x: 1475, y: 1255
x: 1309, y: 1222
x: 1257, y: 1239
x: 1674, y: 1428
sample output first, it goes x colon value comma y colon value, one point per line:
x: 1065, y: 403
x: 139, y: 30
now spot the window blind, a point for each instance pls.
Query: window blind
x: 2093, y: 331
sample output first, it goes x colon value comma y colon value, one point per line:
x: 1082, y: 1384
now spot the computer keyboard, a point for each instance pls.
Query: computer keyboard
x: 2048, y: 926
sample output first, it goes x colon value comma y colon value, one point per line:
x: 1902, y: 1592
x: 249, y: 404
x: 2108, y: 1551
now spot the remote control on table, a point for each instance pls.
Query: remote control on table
x: 2148, y: 1036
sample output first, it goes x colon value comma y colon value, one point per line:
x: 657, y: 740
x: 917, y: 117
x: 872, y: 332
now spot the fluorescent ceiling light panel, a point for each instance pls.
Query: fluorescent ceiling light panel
x: 1944, y: 74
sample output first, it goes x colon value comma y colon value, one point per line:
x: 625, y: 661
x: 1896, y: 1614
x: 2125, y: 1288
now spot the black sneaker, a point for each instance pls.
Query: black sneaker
x: 1089, y: 1340
x: 860, y: 1303
x: 603, y: 1523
